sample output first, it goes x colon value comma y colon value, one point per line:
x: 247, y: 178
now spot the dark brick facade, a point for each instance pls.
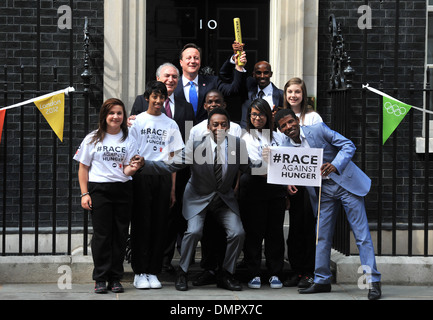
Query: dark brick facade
x: 19, y: 47
x: 369, y: 51
x: 32, y: 63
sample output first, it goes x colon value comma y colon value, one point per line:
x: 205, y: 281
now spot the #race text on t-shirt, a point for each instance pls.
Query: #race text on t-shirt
x: 156, y: 136
x: 108, y: 158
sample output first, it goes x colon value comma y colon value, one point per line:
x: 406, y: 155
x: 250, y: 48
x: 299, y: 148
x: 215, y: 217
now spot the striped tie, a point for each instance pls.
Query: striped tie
x: 260, y: 94
x: 218, y: 167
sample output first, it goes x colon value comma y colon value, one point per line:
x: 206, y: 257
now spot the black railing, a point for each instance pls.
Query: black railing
x: 39, y: 194
x: 399, y: 205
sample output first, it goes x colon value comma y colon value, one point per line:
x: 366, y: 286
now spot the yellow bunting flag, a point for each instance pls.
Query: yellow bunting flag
x: 53, y: 109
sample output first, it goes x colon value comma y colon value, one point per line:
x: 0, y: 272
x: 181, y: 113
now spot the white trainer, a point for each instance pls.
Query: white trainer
x: 153, y: 281
x: 141, y: 282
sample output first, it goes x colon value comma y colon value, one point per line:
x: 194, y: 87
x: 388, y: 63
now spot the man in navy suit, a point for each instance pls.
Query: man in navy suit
x: 343, y: 183
x: 181, y: 111
x: 190, y: 61
x: 260, y: 86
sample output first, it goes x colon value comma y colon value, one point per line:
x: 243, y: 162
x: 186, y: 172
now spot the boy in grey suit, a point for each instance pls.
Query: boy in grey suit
x: 210, y: 190
x: 343, y: 184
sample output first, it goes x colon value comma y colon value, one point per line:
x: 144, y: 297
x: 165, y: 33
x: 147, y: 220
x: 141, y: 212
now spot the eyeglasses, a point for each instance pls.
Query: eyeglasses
x: 255, y: 115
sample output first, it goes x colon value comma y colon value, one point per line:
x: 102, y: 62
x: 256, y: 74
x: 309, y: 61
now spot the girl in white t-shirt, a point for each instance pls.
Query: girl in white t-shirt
x: 107, y: 158
x: 262, y: 205
x: 301, y: 239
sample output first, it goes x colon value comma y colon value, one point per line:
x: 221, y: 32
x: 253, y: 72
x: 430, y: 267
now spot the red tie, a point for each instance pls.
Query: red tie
x: 168, y: 109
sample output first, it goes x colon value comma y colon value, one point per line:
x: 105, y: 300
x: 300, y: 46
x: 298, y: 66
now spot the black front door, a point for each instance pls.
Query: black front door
x: 173, y: 23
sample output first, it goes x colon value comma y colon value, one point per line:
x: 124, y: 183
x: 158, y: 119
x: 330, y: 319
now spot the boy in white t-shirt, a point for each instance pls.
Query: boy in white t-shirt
x: 158, y: 138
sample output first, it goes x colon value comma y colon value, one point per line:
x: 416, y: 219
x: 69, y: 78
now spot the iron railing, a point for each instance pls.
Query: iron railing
x: 399, y: 205
x: 39, y: 196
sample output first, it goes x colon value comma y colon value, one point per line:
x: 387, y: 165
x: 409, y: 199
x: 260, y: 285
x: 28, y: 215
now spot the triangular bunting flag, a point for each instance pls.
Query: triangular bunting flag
x: 2, y: 119
x: 53, y: 109
x: 393, y: 113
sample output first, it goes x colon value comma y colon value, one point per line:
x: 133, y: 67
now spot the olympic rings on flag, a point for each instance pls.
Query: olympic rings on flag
x: 398, y: 111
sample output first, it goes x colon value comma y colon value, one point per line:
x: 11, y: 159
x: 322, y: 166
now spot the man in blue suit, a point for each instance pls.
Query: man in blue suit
x: 342, y: 183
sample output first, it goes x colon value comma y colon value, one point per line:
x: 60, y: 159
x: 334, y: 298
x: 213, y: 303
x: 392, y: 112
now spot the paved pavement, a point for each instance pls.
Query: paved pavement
x: 211, y: 293
x: 84, y: 291
x: 207, y: 302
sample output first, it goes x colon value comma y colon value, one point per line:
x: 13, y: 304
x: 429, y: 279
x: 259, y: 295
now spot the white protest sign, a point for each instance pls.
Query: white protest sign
x: 295, y: 166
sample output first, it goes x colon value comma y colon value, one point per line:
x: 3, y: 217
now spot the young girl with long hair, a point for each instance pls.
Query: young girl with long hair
x: 108, y: 158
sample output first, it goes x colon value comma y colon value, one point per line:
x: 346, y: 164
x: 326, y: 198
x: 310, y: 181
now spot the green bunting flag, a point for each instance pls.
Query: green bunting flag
x: 393, y: 113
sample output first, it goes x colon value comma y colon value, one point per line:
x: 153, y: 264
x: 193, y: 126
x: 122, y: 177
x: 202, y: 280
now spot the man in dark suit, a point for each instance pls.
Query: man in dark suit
x: 183, y: 114
x: 190, y: 61
x: 210, y: 191
x: 260, y: 86
x: 180, y: 110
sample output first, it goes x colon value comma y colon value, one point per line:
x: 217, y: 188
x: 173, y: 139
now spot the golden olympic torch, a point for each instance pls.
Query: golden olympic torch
x: 238, y: 36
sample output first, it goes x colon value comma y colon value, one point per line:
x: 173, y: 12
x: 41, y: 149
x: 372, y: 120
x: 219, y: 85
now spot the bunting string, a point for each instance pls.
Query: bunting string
x: 367, y: 86
x: 46, y: 96
x: 52, y: 107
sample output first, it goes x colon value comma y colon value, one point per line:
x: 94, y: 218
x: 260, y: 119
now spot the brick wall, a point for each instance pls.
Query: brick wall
x: 369, y: 50
x: 21, y: 53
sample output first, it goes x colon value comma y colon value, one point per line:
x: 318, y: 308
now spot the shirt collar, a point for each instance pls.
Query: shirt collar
x: 186, y: 82
x: 171, y: 98
x: 302, y: 136
x: 267, y: 90
x: 213, y: 143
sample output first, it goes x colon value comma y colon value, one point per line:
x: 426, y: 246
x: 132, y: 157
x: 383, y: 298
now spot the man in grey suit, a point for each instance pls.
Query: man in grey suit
x: 210, y: 191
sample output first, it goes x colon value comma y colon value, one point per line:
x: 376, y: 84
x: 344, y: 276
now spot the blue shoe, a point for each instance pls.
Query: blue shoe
x: 255, y: 283
x: 275, y: 283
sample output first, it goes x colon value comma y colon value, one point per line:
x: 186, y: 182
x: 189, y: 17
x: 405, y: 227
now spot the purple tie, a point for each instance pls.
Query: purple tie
x: 167, y: 109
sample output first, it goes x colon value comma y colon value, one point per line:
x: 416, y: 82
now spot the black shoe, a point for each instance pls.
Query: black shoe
x: 205, y: 278
x: 100, y: 287
x: 227, y: 281
x: 115, y: 286
x: 306, y: 281
x: 375, y: 292
x: 316, y: 288
x: 292, y: 281
x: 181, y: 283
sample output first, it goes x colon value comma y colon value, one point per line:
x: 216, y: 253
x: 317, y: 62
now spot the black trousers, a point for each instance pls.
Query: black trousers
x: 176, y: 222
x: 262, y: 211
x: 301, y: 246
x: 112, y: 204
x: 149, y: 222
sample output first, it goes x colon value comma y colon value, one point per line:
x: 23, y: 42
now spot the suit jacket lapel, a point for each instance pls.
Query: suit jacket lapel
x: 178, y: 92
x: 310, y: 137
x: 275, y: 96
x: 252, y: 95
x: 178, y: 112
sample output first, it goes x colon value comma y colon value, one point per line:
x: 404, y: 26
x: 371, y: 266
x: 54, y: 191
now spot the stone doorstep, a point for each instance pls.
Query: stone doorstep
x: 395, y: 270
x: 52, y: 269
